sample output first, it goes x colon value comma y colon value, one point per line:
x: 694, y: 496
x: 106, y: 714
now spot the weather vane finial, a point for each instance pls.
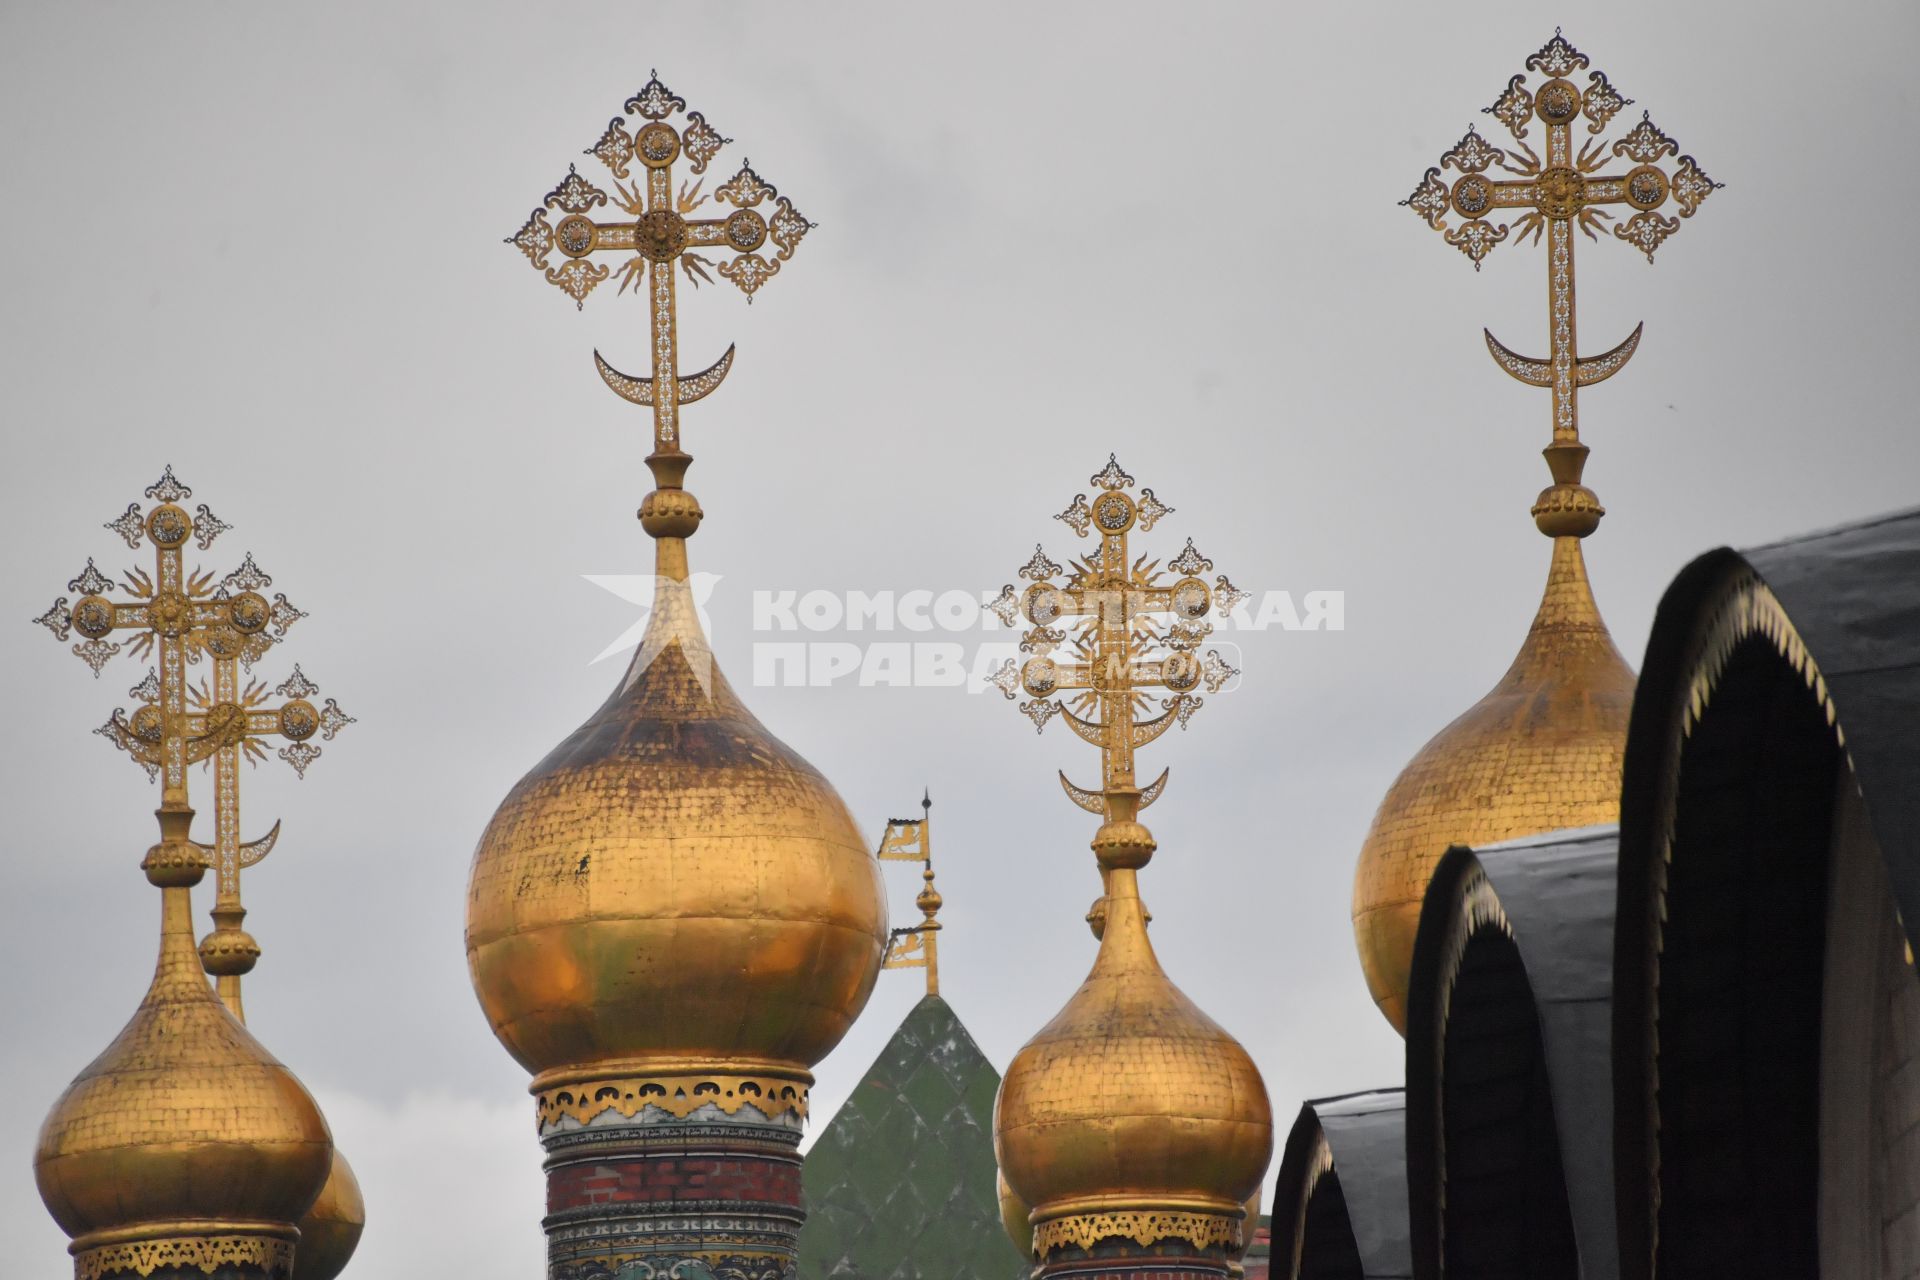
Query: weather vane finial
x: 1132, y: 631
x: 658, y: 237
x: 1550, y: 197
x: 916, y: 946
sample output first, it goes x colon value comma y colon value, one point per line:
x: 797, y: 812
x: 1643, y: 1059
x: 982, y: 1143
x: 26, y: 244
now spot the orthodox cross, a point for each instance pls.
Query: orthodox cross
x: 182, y: 618
x: 659, y: 236
x: 1550, y: 196
x: 916, y: 947
x: 230, y: 722
x: 174, y: 615
x: 1134, y: 633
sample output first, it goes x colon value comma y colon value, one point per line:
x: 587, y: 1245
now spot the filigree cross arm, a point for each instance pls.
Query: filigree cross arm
x: 229, y: 717
x: 1127, y: 634
x: 173, y: 615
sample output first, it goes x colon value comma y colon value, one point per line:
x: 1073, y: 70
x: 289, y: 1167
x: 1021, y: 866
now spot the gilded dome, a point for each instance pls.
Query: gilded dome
x: 1540, y: 752
x: 673, y: 887
x: 1015, y: 1216
x: 330, y: 1231
x: 185, y: 1124
x: 1132, y: 1099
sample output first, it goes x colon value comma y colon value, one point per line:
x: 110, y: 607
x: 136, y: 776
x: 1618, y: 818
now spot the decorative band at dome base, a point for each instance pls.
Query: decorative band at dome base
x: 1118, y: 1254
x: 776, y: 1096
x: 171, y: 1250
x: 1141, y: 1227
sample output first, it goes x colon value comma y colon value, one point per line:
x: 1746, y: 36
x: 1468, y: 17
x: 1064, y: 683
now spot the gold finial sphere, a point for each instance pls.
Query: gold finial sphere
x: 176, y: 862
x: 229, y: 951
x: 929, y: 900
x: 1567, y: 508
x: 1123, y: 842
x: 670, y: 513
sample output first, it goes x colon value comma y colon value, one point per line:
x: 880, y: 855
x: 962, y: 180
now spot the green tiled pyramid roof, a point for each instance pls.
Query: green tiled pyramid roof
x: 901, y: 1185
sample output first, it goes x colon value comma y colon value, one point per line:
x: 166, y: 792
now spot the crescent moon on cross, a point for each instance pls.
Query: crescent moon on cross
x: 1587, y: 370
x: 640, y: 390
x: 1094, y: 802
x: 251, y: 851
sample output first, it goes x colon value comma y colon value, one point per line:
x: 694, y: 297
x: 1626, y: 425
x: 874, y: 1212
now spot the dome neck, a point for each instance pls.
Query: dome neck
x: 1567, y: 604
x: 178, y: 973
x: 670, y: 515
x: 1568, y: 641
x: 1124, y: 945
x: 670, y: 559
x: 175, y: 865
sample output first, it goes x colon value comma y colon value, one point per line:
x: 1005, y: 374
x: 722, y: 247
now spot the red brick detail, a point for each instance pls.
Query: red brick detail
x: 659, y: 1180
x: 1141, y: 1269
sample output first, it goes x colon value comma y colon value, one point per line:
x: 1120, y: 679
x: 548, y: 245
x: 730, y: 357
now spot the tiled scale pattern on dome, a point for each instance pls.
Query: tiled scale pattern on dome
x: 1540, y: 752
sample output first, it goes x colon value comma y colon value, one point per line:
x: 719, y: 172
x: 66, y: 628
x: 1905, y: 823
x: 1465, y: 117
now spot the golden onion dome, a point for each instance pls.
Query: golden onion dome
x: 330, y: 1230
x: 1014, y: 1216
x: 1132, y: 1100
x: 673, y: 888
x: 185, y: 1127
x: 1540, y: 752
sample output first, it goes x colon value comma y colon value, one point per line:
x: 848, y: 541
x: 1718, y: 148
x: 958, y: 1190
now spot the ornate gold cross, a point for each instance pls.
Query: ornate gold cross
x: 659, y: 236
x: 916, y: 946
x: 182, y: 618
x: 174, y: 615
x: 1552, y: 195
x: 1131, y: 631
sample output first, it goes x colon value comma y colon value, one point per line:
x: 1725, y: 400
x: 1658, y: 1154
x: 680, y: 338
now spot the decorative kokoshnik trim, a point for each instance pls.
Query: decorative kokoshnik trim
x: 679, y: 1096
x: 1143, y: 1227
x: 206, y: 1253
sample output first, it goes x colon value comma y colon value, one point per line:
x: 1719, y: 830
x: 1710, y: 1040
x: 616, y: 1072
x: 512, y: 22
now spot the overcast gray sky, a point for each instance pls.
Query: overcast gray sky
x: 262, y: 243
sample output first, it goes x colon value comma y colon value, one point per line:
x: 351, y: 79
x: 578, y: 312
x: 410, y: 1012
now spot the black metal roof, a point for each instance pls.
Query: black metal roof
x: 1509, y: 1118
x: 1760, y: 666
x: 1854, y: 595
x: 1350, y: 1221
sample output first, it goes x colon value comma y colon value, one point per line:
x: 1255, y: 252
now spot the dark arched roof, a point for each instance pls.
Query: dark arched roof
x: 1340, y: 1208
x: 1509, y: 1133
x: 1767, y: 672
